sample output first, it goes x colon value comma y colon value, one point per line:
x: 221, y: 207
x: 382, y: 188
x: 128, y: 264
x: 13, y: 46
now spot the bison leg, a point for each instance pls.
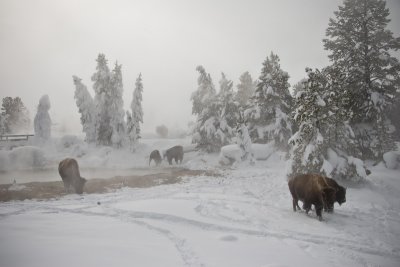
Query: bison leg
x: 318, y: 209
x: 295, y: 204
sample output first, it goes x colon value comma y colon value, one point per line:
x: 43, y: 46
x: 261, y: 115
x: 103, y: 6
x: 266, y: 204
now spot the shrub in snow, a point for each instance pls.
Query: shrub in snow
x: 244, y: 143
x: 27, y: 157
x: 68, y: 140
x: 230, y: 154
x: 392, y: 159
x: 42, y: 122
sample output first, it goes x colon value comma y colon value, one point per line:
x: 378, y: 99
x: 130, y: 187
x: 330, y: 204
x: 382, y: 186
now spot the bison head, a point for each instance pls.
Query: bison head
x: 329, y: 195
x: 79, y: 185
x: 341, y: 195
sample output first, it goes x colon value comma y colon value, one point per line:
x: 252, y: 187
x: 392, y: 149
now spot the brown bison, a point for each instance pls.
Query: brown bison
x: 156, y: 156
x: 311, y: 189
x: 69, y: 172
x: 175, y: 153
x: 340, y: 196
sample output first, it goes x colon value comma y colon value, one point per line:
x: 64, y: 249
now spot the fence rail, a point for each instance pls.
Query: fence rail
x: 15, y: 137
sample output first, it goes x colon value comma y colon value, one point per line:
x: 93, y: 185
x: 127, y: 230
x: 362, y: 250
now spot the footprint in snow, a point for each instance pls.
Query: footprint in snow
x: 229, y: 238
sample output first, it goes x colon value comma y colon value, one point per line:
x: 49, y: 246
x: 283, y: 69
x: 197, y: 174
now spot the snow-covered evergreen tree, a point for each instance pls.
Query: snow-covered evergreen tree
x: 42, y: 122
x: 229, y: 109
x: 86, y: 108
x: 115, y: 107
x: 269, y: 112
x: 324, y: 139
x: 244, y: 142
x: 245, y: 89
x: 102, y: 101
x: 207, y: 133
x: 134, y: 119
x: 131, y: 131
x: 3, y: 124
x: 360, y: 47
x: 16, y: 116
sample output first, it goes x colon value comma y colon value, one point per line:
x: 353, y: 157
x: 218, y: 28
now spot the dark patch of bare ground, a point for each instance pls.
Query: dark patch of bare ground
x: 49, y: 190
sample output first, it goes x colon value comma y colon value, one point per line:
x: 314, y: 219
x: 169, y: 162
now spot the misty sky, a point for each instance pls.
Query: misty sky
x: 44, y: 42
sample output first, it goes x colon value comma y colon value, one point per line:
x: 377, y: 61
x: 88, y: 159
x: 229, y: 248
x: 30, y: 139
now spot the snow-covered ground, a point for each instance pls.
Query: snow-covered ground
x: 241, y: 217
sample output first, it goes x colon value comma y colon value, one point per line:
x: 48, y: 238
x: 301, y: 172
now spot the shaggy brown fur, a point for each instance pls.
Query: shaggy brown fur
x: 175, y: 153
x: 311, y: 189
x: 69, y: 172
x: 156, y: 156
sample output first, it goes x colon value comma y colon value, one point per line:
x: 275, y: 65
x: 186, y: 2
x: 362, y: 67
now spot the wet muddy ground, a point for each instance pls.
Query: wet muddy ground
x: 55, y: 189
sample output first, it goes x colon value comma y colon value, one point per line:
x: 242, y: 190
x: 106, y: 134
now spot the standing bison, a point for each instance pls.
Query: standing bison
x: 340, y: 196
x: 175, y: 153
x: 156, y: 156
x: 311, y: 189
x: 69, y: 172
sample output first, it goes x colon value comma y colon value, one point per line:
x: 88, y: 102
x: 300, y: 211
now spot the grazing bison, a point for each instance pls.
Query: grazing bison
x: 311, y: 189
x: 175, y: 153
x: 340, y: 196
x: 69, y: 172
x: 156, y: 156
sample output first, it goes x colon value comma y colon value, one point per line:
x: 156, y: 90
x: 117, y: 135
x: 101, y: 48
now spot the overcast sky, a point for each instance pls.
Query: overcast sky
x: 43, y: 43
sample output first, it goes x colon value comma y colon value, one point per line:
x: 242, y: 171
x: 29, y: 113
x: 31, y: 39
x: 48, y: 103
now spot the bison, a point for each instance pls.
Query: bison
x: 311, y: 189
x: 69, y: 172
x: 156, y: 156
x: 175, y: 153
x: 340, y: 196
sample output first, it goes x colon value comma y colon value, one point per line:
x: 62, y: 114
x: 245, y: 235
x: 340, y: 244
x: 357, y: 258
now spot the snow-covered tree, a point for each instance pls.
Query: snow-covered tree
x: 324, y: 139
x: 133, y: 127
x: 86, y: 108
x: 268, y: 114
x: 131, y: 131
x: 207, y: 133
x: 115, y: 107
x: 360, y: 47
x: 245, y: 89
x: 15, y: 115
x: 3, y: 124
x: 244, y: 142
x: 102, y: 101
x: 228, y: 108
x: 42, y: 122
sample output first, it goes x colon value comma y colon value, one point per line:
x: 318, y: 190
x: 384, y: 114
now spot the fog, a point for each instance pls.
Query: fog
x: 45, y: 42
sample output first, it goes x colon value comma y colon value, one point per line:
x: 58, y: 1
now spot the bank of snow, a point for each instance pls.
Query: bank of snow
x: 243, y: 217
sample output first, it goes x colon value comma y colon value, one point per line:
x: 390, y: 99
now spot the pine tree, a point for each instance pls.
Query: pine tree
x: 86, y: 108
x: 42, y: 122
x: 134, y: 119
x: 269, y: 112
x: 15, y: 114
x: 131, y: 132
x: 324, y: 138
x: 360, y: 47
x: 229, y: 109
x: 246, y: 88
x: 115, y: 107
x: 102, y: 101
x: 208, y: 133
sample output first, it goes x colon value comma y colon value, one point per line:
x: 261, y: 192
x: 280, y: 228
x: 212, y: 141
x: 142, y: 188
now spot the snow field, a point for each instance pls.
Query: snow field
x: 243, y: 217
